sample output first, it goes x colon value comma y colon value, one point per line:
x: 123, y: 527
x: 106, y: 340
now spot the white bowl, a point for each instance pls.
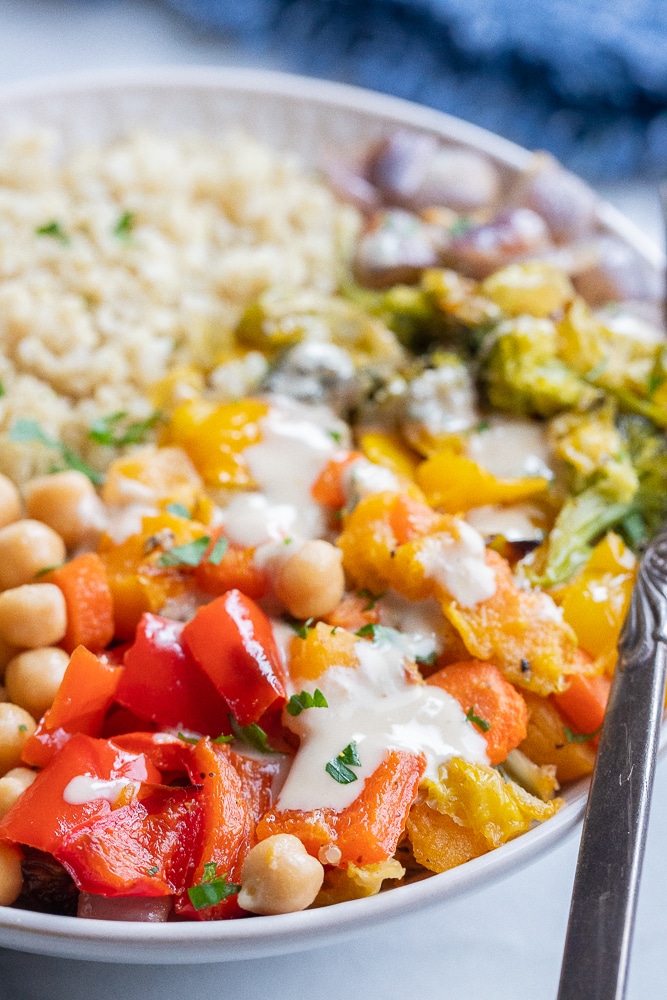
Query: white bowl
x: 310, y: 117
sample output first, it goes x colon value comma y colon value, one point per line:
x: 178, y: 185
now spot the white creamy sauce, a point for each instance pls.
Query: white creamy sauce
x: 363, y: 478
x: 296, y: 443
x: 459, y: 565
x: 598, y: 593
x: 126, y: 521
x: 379, y: 709
x: 84, y: 788
x: 515, y: 522
x: 422, y: 619
x: 512, y: 448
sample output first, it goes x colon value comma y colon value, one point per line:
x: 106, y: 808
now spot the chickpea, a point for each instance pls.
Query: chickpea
x: 10, y: 501
x: 311, y: 582
x: 279, y: 876
x: 67, y: 503
x: 11, y: 875
x: 7, y: 652
x: 33, y: 677
x: 26, y: 547
x: 13, y: 785
x: 33, y: 615
x: 16, y: 725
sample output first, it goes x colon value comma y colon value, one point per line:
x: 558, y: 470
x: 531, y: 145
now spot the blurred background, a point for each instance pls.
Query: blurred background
x: 584, y: 79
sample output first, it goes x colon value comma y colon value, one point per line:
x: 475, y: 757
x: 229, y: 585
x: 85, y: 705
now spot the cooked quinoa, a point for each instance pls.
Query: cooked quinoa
x: 120, y: 263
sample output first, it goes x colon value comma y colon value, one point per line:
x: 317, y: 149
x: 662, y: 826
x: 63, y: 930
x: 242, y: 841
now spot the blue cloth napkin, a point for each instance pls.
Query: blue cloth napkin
x: 585, y: 79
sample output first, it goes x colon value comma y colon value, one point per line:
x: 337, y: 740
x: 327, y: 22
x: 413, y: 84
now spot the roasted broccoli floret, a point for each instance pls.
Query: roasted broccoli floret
x: 602, y: 484
x: 521, y: 372
x: 647, y: 448
x: 632, y: 369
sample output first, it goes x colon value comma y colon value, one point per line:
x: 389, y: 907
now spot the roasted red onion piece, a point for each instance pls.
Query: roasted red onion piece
x: 617, y: 275
x: 352, y: 187
x: 562, y: 199
x: 513, y: 235
x: 396, y: 248
x: 47, y: 886
x: 147, y: 909
x: 415, y: 171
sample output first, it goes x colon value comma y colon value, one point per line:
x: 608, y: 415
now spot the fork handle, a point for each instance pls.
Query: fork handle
x: 604, y: 898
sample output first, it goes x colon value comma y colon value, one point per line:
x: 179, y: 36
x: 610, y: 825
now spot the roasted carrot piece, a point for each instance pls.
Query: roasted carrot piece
x: 328, y: 487
x: 547, y: 741
x: 85, y: 587
x: 354, y: 611
x: 409, y: 518
x: 236, y: 570
x: 584, y: 700
x: 368, y: 831
x: 482, y: 692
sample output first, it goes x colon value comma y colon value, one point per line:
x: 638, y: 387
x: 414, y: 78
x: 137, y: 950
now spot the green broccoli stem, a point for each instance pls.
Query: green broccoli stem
x: 582, y: 520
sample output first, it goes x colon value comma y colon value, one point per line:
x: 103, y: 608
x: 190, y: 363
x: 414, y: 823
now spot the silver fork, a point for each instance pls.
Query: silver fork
x: 604, y: 898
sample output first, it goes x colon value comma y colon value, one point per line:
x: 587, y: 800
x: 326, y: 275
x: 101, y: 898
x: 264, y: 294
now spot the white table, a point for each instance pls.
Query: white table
x: 503, y: 943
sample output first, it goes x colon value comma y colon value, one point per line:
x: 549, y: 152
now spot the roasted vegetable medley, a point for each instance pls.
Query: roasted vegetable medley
x: 342, y: 611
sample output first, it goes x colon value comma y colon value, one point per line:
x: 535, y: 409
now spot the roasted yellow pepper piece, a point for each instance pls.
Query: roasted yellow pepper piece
x: 456, y: 484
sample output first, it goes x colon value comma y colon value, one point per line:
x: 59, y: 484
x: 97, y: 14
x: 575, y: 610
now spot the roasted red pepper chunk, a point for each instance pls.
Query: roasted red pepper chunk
x: 163, y: 682
x: 232, y: 641
x: 145, y: 848
x: 80, y: 706
x: 44, y: 815
x: 227, y: 828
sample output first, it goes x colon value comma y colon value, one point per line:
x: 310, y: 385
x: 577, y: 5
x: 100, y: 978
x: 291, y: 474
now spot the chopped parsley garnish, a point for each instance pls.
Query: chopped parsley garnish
x: 223, y: 738
x: 124, y: 226
x: 189, y: 554
x: 340, y: 767
x: 572, y: 737
x: 115, y: 430
x: 25, y: 429
x: 211, y: 890
x: 178, y: 510
x: 2, y: 389
x: 336, y: 435
x: 55, y: 230
x: 47, y: 569
x: 218, y: 551
x: 22, y: 727
x: 253, y: 735
x: 299, y: 702
x: 301, y: 628
x: 153, y: 870
x: 377, y: 633
x: 427, y: 661
x: 477, y: 720
x: 372, y: 598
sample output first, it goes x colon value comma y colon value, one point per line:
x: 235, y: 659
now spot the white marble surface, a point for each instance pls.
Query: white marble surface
x: 503, y: 943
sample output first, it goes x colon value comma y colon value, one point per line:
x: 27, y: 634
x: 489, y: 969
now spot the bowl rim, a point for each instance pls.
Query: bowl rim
x: 187, y: 942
